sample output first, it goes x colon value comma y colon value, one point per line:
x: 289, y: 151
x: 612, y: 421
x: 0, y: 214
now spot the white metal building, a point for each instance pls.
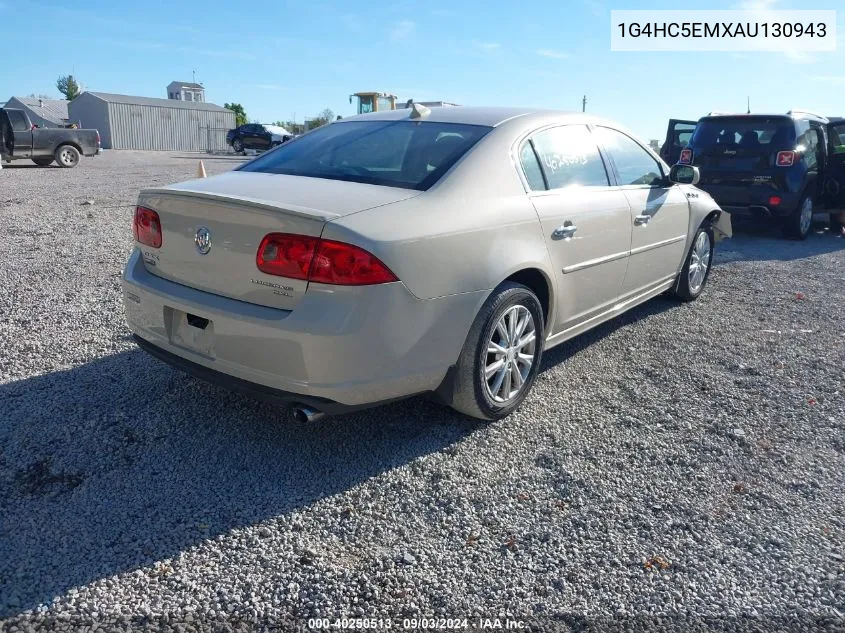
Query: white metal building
x: 128, y: 122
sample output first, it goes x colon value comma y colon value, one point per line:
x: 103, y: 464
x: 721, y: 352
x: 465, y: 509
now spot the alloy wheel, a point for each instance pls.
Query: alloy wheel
x: 510, y: 354
x: 699, y: 262
x: 806, y: 219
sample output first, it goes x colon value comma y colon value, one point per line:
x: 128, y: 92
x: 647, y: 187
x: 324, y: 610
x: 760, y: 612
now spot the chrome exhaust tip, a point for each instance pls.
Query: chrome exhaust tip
x: 304, y: 414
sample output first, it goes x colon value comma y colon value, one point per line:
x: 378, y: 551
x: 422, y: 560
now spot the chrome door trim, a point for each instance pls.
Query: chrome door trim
x: 594, y: 262
x: 648, y: 247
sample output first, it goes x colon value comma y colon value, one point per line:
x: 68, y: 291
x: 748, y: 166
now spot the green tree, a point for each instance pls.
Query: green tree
x: 240, y: 113
x: 326, y: 116
x: 68, y: 86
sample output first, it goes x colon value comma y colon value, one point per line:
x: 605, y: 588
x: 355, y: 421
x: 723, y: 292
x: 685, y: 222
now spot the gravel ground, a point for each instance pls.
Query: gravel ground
x: 684, y: 461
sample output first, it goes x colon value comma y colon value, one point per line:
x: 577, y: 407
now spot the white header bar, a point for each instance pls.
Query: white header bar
x: 746, y: 30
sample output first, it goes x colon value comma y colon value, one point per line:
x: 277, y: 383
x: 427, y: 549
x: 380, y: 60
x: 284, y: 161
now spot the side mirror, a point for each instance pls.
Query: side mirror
x: 684, y: 174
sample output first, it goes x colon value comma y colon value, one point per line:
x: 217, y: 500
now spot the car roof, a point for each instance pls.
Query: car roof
x: 470, y: 115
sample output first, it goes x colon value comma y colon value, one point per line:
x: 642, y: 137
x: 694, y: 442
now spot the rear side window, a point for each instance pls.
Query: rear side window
x: 744, y: 133
x: 682, y: 134
x: 18, y: 120
x: 837, y: 138
x: 569, y: 157
x: 634, y: 164
x: 406, y: 154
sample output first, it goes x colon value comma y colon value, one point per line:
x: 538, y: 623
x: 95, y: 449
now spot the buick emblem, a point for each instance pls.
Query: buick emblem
x: 203, y: 240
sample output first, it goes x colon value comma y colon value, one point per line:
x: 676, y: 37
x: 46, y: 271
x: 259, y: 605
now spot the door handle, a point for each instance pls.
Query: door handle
x: 641, y: 220
x: 564, y: 231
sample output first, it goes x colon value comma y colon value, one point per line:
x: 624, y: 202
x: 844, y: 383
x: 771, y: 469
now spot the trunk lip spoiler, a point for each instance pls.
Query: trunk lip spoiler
x: 298, y: 210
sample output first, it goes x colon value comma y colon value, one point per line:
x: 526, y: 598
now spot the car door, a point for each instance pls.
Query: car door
x: 659, y: 213
x: 249, y: 135
x: 678, y: 136
x: 21, y: 133
x: 834, y: 177
x: 585, y: 221
x: 262, y: 138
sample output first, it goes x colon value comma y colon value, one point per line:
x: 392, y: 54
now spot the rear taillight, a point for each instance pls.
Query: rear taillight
x: 686, y: 157
x: 775, y: 201
x: 785, y: 159
x: 286, y: 255
x: 98, y: 138
x: 321, y: 261
x: 347, y: 265
x: 146, y: 227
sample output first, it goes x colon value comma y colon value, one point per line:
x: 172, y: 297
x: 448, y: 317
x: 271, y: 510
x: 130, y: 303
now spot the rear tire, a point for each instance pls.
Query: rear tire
x: 797, y: 224
x: 238, y: 146
x: 501, y: 356
x: 67, y: 156
x: 696, y: 270
x: 43, y: 162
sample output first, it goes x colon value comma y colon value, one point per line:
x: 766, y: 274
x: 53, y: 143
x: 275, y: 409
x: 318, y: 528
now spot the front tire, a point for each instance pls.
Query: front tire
x: 797, y: 224
x: 696, y: 270
x: 67, y: 156
x: 501, y: 356
x: 238, y: 146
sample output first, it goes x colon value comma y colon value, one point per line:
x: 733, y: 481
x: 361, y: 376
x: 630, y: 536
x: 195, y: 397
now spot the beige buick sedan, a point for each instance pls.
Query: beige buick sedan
x: 416, y: 251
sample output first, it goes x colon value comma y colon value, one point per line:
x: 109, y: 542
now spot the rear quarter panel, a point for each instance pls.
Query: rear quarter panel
x: 469, y: 232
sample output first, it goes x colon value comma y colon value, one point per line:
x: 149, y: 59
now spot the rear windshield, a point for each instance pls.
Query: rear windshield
x: 406, y: 154
x: 744, y: 133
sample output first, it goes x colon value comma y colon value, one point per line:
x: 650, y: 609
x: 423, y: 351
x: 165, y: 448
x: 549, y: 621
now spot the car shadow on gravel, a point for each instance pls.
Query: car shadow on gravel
x: 763, y: 242
x: 110, y: 466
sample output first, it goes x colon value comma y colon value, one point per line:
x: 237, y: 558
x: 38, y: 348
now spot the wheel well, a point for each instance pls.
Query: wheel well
x: 712, y: 217
x: 536, y: 281
x: 71, y: 143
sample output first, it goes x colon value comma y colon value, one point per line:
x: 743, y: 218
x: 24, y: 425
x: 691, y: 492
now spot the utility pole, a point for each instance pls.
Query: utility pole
x: 584, y: 104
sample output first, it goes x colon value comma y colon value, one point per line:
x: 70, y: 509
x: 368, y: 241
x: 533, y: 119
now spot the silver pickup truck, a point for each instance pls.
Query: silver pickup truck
x: 19, y: 139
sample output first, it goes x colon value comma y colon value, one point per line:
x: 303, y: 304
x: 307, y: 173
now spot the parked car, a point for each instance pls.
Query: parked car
x: 772, y: 166
x: 257, y: 136
x: 22, y: 140
x: 413, y: 251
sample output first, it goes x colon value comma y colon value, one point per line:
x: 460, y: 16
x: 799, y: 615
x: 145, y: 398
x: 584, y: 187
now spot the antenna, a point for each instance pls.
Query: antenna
x: 194, y: 76
x: 749, y: 105
x: 584, y: 104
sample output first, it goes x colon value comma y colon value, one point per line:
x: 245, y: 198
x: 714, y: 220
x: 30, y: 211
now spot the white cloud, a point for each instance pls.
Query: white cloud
x: 799, y: 57
x: 549, y: 52
x: 269, y: 86
x: 402, y: 30
x: 831, y: 80
x: 486, y: 46
x: 755, y: 5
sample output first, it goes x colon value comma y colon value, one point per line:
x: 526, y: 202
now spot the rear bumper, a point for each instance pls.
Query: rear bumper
x: 341, y: 346
x: 753, y: 203
x: 245, y: 387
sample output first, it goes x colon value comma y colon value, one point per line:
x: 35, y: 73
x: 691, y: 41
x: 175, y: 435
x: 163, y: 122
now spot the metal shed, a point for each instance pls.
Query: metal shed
x: 127, y: 122
x: 42, y: 112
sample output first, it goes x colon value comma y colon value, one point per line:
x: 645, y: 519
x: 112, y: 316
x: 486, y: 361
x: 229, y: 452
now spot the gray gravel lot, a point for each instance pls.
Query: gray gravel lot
x: 684, y: 461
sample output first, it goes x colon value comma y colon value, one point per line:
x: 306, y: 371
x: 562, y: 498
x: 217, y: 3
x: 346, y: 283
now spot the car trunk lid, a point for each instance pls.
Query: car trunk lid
x: 237, y: 210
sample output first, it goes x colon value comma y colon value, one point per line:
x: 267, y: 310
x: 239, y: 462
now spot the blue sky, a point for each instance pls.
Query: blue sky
x: 285, y: 59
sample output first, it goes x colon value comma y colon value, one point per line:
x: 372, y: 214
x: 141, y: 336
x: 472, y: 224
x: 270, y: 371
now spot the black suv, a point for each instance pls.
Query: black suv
x: 780, y: 166
x: 257, y: 136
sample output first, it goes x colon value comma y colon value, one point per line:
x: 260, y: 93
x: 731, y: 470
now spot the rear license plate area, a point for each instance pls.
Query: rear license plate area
x: 192, y: 332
